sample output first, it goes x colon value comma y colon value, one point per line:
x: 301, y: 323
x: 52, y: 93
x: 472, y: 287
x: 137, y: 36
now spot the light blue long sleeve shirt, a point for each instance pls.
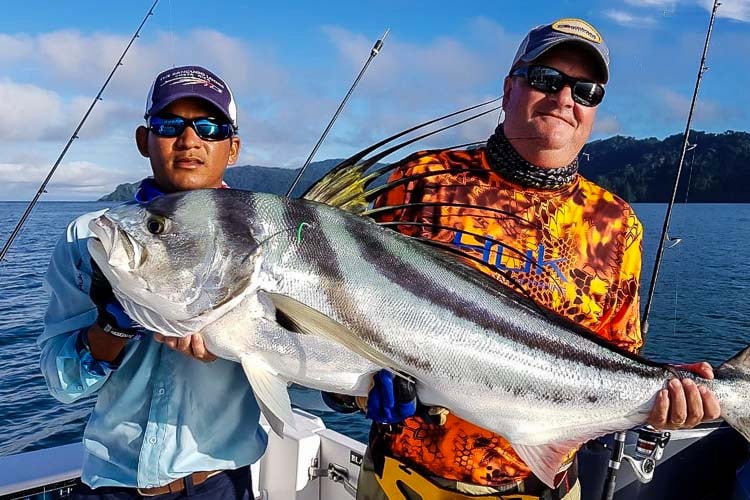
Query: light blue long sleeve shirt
x: 158, y: 417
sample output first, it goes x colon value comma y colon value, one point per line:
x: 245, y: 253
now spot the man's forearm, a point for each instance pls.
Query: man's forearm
x: 103, y: 346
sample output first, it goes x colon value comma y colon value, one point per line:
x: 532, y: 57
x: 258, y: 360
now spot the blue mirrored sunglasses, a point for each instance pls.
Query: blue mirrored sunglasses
x: 208, y: 129
x: 551, y: 81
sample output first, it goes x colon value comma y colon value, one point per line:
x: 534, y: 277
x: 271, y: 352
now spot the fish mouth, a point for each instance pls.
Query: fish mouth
x: 115, y: 246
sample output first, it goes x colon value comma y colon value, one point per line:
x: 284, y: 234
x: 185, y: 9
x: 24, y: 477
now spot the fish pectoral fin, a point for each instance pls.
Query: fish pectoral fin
x: 310, y: 321
x: 546, y: 461
x: 270, y: 392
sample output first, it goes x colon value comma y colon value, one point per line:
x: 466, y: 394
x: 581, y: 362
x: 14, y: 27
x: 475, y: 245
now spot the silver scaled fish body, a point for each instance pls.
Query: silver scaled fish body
x: 302, y: 292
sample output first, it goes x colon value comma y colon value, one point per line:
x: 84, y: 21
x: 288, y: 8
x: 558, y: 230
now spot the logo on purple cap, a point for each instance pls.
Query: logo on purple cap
x: 192, y: 76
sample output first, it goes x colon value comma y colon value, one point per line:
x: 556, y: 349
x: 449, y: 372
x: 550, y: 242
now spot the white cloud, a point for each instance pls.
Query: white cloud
x: 72, y: 180
x: 107, y: 119
x: 32, y: 113
x: 409, y: 83
x: 444, y: 66
x: 606, y: 126
x: 707, y: 112
x: 29, y: 112
x: 731, y: 9
x: 651, y: 3
x: 15, y: 48
x: 83, y: 61
x: 663, y: 111
x: 76, y: 57
x: 630, y: 20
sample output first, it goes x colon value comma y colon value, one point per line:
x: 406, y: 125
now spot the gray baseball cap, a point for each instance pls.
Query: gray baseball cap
x: 568, y: 30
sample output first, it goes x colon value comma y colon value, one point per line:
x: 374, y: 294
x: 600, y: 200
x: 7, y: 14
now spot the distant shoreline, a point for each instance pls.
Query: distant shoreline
x: 637, y: 170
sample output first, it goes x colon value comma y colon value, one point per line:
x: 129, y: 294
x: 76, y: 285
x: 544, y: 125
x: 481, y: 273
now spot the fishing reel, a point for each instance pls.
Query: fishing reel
x: 649, y: 449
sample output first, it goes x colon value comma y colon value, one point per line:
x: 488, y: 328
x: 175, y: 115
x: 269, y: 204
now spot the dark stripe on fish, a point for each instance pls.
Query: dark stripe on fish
x: 236, y: 213
x: 403, y: 274
x: 165, y: 205
x: 322, y: 256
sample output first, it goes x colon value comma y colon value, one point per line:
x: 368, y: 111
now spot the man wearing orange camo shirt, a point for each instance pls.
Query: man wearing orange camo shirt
x: 571, y: 245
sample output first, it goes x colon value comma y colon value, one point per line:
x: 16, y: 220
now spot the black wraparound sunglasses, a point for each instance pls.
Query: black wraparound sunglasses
x: 551, y: 81
x: 208, y: 129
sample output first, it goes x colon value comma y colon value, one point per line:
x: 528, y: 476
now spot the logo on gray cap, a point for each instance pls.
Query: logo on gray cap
x: 569, y: 30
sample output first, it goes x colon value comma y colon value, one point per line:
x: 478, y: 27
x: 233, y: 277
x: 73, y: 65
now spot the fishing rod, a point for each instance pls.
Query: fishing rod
x: 618, y: 452
x: 373, y: 52
x: 685, y: 143
x: 74, y: 136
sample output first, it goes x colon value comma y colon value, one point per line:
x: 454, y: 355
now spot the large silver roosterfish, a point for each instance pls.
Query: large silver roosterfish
x: 301, y: 291
x: 269, y: 280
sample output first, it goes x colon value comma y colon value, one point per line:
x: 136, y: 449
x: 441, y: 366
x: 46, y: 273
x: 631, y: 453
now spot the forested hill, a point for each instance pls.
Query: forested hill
x: 643, y: 170
x: 639, y: 170
x: 250, y: 177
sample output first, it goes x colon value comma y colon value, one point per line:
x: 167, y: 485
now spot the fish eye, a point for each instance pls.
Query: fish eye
x: 155, y: 225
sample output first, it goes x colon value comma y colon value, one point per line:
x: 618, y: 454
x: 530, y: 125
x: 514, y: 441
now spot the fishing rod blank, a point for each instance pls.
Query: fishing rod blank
x: 667, y: 218
x: 74, y: 136
x: 375, y: 51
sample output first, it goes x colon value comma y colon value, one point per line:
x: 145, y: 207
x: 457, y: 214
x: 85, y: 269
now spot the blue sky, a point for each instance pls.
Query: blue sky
x: 289, y: 64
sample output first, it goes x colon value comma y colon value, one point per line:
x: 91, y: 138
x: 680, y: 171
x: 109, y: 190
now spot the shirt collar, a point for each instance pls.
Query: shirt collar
x: 148, y: 190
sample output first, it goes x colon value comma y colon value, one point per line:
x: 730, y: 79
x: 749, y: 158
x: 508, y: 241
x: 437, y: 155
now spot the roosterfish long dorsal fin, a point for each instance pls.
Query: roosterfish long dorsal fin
x: 344, y: 186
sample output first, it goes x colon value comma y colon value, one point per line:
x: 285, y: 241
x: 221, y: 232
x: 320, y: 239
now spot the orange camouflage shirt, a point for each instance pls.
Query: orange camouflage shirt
x: 575, y: 250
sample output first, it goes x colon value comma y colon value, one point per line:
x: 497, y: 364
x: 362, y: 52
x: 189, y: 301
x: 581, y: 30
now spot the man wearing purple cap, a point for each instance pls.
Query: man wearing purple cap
x: 572, y: 246
x: 171, y: 420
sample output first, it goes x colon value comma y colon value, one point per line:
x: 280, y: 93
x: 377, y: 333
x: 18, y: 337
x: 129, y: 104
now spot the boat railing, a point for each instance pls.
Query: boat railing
x: 309, y: 463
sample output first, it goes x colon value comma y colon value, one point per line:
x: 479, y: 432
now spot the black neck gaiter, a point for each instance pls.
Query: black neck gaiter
x: 508, y: 163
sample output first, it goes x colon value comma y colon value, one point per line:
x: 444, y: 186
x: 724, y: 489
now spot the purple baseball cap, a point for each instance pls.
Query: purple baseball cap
x: 570, y: 31
x: 190, y: 81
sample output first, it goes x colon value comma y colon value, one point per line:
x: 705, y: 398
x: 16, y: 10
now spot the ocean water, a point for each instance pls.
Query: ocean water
x: 700, y: 311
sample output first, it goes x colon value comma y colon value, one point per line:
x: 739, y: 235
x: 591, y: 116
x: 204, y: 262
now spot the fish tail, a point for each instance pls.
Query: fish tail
x: 736, y: 411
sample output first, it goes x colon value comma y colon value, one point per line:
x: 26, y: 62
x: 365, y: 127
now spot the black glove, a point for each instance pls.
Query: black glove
x: 112, y: 317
